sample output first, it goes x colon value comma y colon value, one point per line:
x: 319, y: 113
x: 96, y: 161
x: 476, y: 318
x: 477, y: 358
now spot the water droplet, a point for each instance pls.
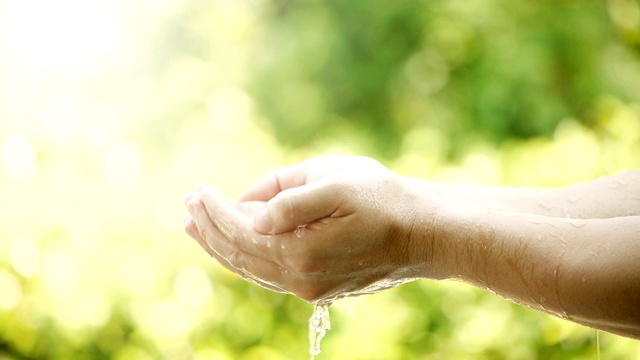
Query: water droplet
x: 298, y: 231
x: 350, y: 311
x: 282, y: 246
x: 269, y: 244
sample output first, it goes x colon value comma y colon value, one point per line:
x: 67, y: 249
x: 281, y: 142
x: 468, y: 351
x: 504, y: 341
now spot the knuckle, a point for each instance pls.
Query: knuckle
x: 285, y: 210
x: 203, y: 233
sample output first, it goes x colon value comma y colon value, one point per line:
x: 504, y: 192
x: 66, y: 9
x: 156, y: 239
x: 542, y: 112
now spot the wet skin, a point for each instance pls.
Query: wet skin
x: 341, y: 226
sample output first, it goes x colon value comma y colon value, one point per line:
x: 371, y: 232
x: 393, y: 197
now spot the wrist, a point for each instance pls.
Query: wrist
x: 429, y: 232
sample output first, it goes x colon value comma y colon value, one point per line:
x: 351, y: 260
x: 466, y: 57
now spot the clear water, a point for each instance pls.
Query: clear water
x: 319, y: 324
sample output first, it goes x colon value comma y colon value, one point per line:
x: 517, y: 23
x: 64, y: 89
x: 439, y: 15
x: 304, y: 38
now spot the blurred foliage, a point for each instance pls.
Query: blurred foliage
x: 110, y: 111
x: 500, y: 69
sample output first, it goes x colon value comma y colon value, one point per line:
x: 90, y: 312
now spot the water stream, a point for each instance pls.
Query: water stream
x: 319, y: 324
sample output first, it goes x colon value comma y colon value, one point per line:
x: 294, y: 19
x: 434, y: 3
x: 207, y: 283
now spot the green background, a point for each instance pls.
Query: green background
x: 111, y: 111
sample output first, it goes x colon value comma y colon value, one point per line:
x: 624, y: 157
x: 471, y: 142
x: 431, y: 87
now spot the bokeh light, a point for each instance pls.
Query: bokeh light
x: 68, y: 36
x: 18, y: 157
x: 25, y: 257
x: 11, y: 291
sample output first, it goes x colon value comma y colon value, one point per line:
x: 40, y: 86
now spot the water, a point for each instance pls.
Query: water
x: 319, y: 324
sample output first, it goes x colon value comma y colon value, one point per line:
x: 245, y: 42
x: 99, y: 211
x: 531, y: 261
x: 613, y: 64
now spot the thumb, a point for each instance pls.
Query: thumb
x: 298, y: 206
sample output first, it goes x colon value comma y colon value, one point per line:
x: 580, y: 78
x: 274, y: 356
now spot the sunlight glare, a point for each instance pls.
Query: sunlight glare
x: 62, y: 116
x: 166, y: 320
x: 192, y: 287
x: 25, y: 257
x: 230, y: 107
x: 60, y: 275
x: 11, y: 291
x: 18, y: 157
x: 88, y: 308
x: 124, y: 164
x: 61, y: 35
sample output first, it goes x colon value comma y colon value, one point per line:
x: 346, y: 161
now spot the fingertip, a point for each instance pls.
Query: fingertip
x: 209, y: 193
x: 192, y: 203
x: 190, y: 194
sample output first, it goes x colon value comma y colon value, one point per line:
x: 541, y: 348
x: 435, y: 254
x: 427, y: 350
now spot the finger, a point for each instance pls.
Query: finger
x: 246, y: 275
x: 237, y: 227
x: 190, y: 196
x: 260, y: 271
x: 275, y: 182
x: 250, y: 208
x: 302, y: 174
x: 191, y: 228
x: 299, y: 206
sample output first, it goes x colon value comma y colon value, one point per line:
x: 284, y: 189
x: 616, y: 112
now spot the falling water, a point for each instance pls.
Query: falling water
x: 319, y: 323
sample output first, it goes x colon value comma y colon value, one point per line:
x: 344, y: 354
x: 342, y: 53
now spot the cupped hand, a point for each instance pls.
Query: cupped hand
x: 326, y: 228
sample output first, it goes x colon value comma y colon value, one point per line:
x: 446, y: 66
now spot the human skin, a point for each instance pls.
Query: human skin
x: 332, y: 227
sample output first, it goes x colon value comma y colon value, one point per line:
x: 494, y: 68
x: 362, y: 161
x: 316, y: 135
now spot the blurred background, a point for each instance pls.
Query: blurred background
x: 112, y: 110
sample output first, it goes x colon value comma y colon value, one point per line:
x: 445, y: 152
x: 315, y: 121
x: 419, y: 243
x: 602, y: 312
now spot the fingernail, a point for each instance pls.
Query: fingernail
x: 262, y: 223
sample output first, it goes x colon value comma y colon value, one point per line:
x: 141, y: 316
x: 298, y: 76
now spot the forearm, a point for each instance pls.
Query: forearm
x: 586, y: 271
x: 617, y: 195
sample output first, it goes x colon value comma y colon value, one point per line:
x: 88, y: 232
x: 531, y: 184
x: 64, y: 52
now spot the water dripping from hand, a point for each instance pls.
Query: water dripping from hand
x: 319, y: 324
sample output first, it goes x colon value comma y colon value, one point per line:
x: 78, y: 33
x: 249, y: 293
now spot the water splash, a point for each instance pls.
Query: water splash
x: 319, y: 324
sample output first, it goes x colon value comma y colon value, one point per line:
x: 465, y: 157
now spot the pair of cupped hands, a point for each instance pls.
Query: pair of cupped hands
x: 326, y: 228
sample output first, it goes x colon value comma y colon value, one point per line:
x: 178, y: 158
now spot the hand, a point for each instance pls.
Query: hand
x: 326, y: 228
